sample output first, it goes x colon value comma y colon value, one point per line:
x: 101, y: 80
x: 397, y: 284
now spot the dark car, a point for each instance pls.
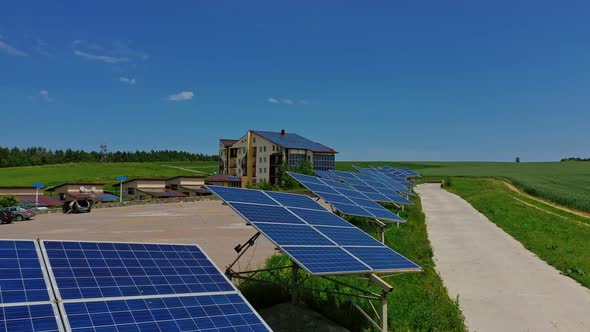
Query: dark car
x: 6, y: 216
x: 77, y: 206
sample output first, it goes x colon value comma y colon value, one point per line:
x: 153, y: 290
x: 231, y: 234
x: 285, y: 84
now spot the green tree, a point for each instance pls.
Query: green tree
x: 6, y: 201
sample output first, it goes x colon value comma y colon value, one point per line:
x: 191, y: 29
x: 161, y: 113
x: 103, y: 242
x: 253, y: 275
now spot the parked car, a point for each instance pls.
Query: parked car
x: 77, y: 206
x: 21, y: 213
x: 6, y: 216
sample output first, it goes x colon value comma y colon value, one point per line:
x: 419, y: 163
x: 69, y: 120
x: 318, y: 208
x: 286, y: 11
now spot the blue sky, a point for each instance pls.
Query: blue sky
x: 412, y: 80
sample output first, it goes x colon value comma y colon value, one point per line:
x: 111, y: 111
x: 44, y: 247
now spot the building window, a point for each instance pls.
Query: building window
x: 260, y: 171
x: 130, y: 191
x: 265, y: 170
x: 264, y: 148
x: 296, y: 158
x: 259, y: 149
x: 254, y: 139
x: 324, y: 162
x: 264, y: 159
x: 259, y: 159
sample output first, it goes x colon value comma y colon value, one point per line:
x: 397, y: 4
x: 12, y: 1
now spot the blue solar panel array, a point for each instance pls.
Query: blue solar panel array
x: 25, y: 297
x: 345, y: 199
x: 105, y: 286
x: 372, y: 188
x: 85, y: 270
x: 390, y: 182
x: 223, y: 312
x: 319, y: 241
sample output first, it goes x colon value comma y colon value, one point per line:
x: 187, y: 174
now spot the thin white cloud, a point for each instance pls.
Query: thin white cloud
x: 44, y: 95
x: 118, y: 53
x: 128, y: 80
x: 287, y: 101
x: 181, y: 96
x: 100, y: 57
x: 10, y: 50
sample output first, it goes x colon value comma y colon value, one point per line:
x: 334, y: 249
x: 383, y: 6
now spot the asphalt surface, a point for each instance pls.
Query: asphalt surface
x: 216, y: 228
x: 501, y: 286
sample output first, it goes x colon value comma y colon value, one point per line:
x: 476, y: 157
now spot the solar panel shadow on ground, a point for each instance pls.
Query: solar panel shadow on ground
x: 104, y: 286
x: 316, y: 240
x: 346, y: 199
x: 26, y: 299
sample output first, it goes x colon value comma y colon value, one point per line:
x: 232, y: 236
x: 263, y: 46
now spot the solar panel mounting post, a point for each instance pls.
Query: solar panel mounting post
x: 294, y: 284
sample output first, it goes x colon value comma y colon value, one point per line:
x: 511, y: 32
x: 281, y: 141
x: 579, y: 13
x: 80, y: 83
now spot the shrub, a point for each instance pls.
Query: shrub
x: 6, y: 201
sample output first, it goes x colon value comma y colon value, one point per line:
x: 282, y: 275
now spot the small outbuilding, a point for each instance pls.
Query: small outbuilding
x: 188, y: 185
x: 28, y: 196
x: 144, y: 188
x: 83, y: 190
x: 225, y: 180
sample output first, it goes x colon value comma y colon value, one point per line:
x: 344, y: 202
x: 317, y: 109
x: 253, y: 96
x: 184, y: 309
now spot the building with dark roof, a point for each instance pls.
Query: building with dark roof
x: 188, y: 185
x: 29, y: 196
x: 83, y: 190
x: 258, y: 155
x: 145, y: 188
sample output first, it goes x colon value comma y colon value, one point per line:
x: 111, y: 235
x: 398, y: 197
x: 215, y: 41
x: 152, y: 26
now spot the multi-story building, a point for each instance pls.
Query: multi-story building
x: 258, y: 155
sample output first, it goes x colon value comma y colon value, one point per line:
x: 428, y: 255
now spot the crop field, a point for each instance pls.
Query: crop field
x: 565, y: 183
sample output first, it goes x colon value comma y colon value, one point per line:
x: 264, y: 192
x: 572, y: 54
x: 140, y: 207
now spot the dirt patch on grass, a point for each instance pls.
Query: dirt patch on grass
x: 551, y: 213
x: 559, y: 207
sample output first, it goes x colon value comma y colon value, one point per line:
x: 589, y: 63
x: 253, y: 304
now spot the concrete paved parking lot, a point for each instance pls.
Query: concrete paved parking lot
x: 213, y: 226
x: 501, y: 286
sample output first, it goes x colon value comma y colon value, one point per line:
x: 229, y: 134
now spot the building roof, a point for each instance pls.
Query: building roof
x: 293, y: 141
x: 140, y: 179
x: 228, y: 142
x: 197, y: 189
x: 75, y: 184
x: 222, y: 178
x: 30, y: 200
x: 161, y: 193
x: 106, y: 197
x: 187, y: 176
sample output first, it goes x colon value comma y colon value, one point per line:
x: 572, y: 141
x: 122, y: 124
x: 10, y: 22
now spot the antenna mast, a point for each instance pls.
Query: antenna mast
x: 103, y: 153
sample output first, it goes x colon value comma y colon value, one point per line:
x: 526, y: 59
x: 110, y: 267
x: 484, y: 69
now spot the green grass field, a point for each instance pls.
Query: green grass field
x: 419, y: 301
x: 52, y: 175
x: 565, y: 183
x: 559, y: 238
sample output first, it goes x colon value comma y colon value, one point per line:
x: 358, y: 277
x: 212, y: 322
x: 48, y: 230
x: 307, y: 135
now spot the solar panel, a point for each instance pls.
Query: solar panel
x: 325, y: 174
x: 319, y: 244
x: 373, y: 188
x: 345, y: 199
x: 223, y: 312
x: 105, y: 286
x: 300, y: 201
x: 83, y: 270
x: 31, y: 318
x: 25, y: 296
x: 382, y: 177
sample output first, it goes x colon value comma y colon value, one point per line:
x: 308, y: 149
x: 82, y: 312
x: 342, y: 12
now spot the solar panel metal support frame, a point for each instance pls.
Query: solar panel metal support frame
x: 294, y: 285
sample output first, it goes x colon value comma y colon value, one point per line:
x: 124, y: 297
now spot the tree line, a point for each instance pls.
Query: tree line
x: 575, y: 159
x: 34, y: 156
